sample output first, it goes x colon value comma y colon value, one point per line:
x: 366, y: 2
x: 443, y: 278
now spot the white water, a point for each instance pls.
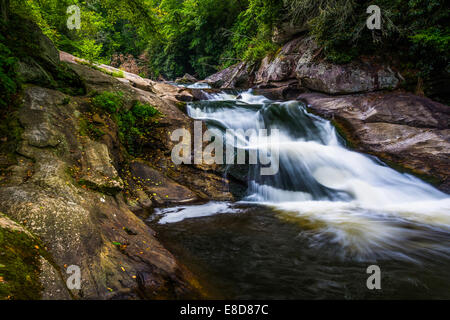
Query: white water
x: 350, y: 198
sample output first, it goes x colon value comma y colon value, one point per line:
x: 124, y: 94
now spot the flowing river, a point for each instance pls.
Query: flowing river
x: 311, y: 230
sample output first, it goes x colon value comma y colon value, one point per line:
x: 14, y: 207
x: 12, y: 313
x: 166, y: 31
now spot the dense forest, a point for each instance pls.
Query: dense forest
x: 164, y: 39
x: 171, y: 37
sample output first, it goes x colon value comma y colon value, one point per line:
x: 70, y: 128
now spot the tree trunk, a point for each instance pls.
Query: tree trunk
x: 4, y: 9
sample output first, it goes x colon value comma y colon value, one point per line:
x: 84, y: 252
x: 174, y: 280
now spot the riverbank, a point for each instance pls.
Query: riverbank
x: 88, y: 157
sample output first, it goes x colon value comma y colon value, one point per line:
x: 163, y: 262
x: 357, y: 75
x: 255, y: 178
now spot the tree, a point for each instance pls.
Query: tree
x: 4, y: 9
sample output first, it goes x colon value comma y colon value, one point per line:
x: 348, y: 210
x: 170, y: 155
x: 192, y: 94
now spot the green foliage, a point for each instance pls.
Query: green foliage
x: 9, y: 83
x: 107, y: 26
x: 252, y: 31
x: 434, y: 37
x: 258, y: 49
x: 134, y: 125
x: 191, y: 36
x: 143, y: 111
x: 88, y: 49
x: 109, y: 101
x: 202, y: 36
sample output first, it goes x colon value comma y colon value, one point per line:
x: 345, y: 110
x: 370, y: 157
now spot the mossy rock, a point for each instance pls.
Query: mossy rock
x: 20, y: 255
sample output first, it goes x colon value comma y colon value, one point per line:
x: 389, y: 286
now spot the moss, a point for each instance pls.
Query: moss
x: 116, y: 74
x: 87, y: 128
x: 20, y: 265
x: 66, y: 101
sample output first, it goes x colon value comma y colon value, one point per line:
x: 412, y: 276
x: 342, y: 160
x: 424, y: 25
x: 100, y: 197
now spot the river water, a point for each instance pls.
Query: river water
x: 311, y: 230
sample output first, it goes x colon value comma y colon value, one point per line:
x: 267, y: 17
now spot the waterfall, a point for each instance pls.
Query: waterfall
x: 353, y: 197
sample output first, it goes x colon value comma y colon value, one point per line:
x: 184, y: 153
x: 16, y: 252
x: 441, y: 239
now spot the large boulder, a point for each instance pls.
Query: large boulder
x: 354, y: 77
x: 405, y: 130
x: 186, y: 79
x: 282, y: 66
x: 287, y: 31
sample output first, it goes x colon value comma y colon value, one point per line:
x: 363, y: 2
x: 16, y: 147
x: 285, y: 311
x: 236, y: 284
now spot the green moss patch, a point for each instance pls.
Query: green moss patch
x: 19, y: 266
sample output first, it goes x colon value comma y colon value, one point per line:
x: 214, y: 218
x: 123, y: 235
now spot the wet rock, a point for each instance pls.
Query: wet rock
x: 160, y: 188
x: 240, y: 75
x: 186, y: 79
x: 288, y: 90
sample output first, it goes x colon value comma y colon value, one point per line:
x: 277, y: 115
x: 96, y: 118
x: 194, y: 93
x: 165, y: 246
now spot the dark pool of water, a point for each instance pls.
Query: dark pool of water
x: 251, y: 253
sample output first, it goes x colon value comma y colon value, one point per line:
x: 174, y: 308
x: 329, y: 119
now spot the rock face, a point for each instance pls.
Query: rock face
x: 400, y: 128
x: 282, y: 67
x: 299, y: 61
x: 98, y: 170
x: 83, y: 226
x: 72, y: 193
x: 286, y: 32
x: 344, y: 79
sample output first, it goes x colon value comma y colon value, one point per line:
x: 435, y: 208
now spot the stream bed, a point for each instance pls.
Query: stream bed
x: 311, y: 230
